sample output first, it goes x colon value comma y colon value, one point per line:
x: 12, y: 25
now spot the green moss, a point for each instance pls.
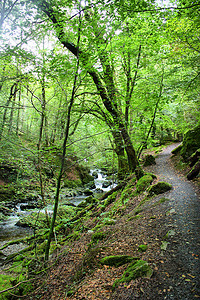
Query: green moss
x: 143, y: 183
x: 91, y: 199
x: 5, y: 283
x: 168, y: 234
x: 109, y: 222
x: 110, y: 199
x: 137, y: 211
x: 7, y: 193
x: 159, y: 188
x: 74, y: 236
x: 118, y: 260
x: 72, y: 183
x: 142, y: 248
x: 177, y: 150
x: 135, y: 217
x: 135, y: 270
x: 70, y: 293
x: 98, y: 236
x: 128, y: 191
x: 191, y: 142
x: 162, y: 200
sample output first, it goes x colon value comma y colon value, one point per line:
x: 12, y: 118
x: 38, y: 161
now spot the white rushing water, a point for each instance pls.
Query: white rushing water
x: 8, y: 228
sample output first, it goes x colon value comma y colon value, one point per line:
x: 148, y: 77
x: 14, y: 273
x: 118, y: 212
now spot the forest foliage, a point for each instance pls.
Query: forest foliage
x: 137, y: 83
x: 92, y: 83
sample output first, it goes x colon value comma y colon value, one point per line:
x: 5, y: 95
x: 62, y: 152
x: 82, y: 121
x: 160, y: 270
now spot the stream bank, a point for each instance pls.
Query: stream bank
x: 13, y: 229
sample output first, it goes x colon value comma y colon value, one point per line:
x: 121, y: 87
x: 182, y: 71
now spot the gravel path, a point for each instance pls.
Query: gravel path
x: 183, y: 250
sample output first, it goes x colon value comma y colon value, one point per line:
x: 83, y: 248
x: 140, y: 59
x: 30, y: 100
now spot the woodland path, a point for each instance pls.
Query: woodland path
x: 184, y: 247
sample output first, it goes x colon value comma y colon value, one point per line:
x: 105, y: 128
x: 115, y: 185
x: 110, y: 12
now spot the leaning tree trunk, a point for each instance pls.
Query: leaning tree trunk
x: 105, y: 86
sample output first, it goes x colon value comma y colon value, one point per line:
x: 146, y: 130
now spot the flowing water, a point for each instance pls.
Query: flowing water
x: 10, y: 231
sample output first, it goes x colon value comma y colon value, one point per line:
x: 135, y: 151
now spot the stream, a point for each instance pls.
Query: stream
x: 8, y: 229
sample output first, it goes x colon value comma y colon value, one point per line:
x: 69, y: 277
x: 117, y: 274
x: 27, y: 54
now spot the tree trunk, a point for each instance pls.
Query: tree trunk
x: 47, y: 249
x: 104, y: 86
x: 12, y: 93
x: 12, y: 110
x: 18, y: 112
x: 119, y: 150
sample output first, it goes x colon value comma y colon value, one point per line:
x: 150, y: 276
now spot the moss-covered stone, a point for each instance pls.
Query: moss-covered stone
x: 191, y: 142
x: 143, y: 183
x: 72, y: 183
x: 135, y: 270
x: 159, y: 188
x: 117, y: 260
x: 177, y: 149
x: 142, y: 248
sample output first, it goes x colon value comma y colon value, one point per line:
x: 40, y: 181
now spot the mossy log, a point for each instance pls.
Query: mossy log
x: 118, y: 187
x: 117, y: 260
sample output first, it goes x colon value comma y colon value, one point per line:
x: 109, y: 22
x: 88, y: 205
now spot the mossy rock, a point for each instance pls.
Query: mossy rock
x: 149, y: 160
x: 88, y: 192
x: 72, y: 183
x: 159, y: 188
x: 191, y: 142
x: 177, y: 149
x: 117, y: 260
x: 143, y: 183
x: 142, y: 248
x: 135, y: 270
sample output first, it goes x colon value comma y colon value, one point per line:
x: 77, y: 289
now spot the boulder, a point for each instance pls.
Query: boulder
x: 26, y: 206
x: 191, y: 142
x: 22, y: 224
x: 106, y: 183
x: 159, y: 188
x: 88, y: 192
x: 95, y: 174
x: 194, y: 171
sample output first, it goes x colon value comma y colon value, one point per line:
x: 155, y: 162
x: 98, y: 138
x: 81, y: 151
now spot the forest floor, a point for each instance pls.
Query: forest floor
x: 174, y: 260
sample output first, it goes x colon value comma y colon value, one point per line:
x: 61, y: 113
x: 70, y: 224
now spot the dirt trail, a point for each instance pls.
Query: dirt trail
x: 183, y: 249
